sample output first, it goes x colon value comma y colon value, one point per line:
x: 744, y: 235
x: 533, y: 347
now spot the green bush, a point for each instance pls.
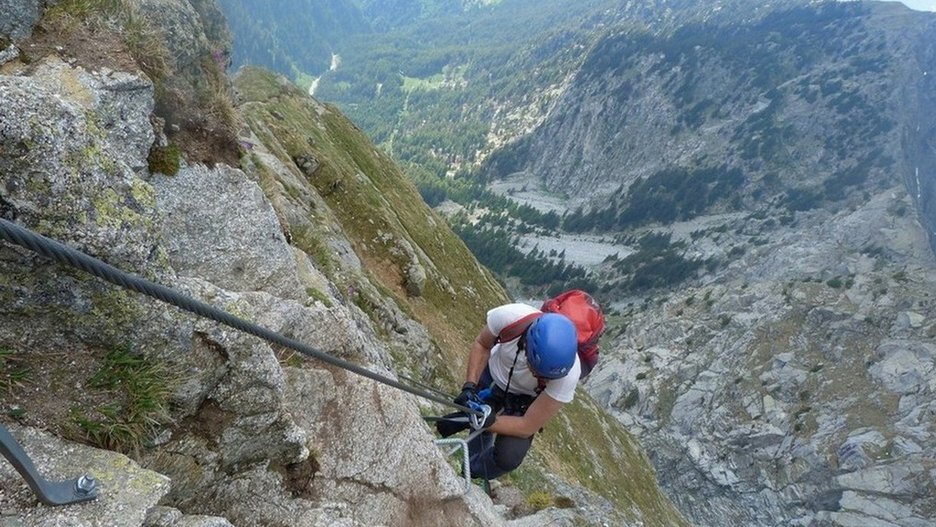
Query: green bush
x: 165, y: 159
x: 539, y: 500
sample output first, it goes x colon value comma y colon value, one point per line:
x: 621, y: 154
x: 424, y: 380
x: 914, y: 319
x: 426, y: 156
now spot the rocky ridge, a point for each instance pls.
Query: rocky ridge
x: 795, y: 389
x: 244, y: 433
x: 83, y: 191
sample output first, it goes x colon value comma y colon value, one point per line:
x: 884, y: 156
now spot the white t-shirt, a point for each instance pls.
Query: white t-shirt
x: 503, y: 353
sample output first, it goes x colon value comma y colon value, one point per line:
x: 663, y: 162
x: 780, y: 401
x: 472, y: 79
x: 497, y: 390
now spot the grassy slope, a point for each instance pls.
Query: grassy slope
x: 606, y: 459
x: 375, y: 205
x: 373, y: 201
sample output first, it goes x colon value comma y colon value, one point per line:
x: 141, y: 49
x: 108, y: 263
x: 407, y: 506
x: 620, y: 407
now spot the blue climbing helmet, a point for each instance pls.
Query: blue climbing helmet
x: 551, y: 346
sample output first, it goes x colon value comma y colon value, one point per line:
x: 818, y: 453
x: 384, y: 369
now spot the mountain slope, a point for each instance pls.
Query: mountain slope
x: 391, y: 229
x: 314, y: 28
x: 319, y: 237
x: 766, y: 187
x: 757, y: 184
x: 839, y: 77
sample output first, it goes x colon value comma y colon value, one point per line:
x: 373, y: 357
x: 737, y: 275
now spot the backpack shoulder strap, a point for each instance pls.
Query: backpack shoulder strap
x: 512, y: 331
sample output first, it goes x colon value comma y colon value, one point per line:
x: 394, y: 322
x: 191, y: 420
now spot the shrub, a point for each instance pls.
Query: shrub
x: 165, y: 159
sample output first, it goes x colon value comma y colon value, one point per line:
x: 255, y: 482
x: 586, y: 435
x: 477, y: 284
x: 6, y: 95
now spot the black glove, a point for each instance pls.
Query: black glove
x: 469, y: 392
x: 451, y: 424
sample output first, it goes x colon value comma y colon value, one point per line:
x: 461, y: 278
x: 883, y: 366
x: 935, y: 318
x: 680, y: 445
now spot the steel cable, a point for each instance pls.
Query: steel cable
x: 64, y: 254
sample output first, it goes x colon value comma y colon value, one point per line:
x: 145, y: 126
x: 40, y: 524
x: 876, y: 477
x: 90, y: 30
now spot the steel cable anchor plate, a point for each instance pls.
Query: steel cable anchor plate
x: 52, y: 493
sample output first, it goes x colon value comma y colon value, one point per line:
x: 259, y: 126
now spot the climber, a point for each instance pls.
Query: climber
x: 525, y: 380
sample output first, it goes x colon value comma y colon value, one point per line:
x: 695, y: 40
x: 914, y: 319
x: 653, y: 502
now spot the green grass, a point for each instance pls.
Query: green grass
x: 539, y: 499
x: 588, y: 447
x: 319, y: 296
x: 137, y: 391
x: 144, y: 42
x: 165, y: 159
x: 434, y: 82
x: 14, y: 372
x: 68, y: 12
x: 378, y: 208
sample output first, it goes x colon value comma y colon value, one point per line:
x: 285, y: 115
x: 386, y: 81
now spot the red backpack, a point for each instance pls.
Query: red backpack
x: 579, y: 307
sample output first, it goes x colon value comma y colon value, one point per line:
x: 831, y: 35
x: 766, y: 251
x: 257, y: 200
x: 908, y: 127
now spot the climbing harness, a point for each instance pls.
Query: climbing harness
x: 476, y: 422
x: 521, y: 346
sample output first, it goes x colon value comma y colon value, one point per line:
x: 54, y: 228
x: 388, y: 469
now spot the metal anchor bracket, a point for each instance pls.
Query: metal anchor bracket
x: 463, y: 445
x: 48, y: 492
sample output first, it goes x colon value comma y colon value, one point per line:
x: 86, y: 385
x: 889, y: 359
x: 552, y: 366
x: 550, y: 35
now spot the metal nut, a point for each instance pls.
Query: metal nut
x: 85, y: 484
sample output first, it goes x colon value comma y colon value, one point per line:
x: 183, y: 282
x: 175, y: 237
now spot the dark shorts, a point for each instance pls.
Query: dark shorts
x: 493, y: 455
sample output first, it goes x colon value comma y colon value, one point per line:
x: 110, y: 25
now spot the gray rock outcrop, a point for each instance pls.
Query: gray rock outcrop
x: 19, y: 17
x: 126, y: 490
x: 255, y: 442
x: 775, y: 395
x: 232, y: 247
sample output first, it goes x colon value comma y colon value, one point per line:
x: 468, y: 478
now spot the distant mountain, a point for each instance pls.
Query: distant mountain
x: 804, y: 108
x: 390, y: 14
x: 293, y: 37
x: 297, y: 37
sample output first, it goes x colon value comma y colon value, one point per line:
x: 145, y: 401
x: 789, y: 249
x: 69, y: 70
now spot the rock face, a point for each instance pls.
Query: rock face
x: 304, y: 442
x: 225, y: 428
x: 19, y: 17
x: 231, y: 247
x: 780, y: 395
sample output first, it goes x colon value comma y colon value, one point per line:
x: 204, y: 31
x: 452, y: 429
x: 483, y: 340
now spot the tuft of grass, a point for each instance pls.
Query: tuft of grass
x: 144, y: 41
x: 291, y: 359
x: 146, y: 45
x: 14, y: 372
x: 539, y: 500
x: 319, y: 296
x: 67, y: 15
x: 216, y: 95
x: 138, y: 391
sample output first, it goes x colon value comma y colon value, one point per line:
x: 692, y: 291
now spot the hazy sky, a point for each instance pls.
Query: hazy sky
x: 922, y: 5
